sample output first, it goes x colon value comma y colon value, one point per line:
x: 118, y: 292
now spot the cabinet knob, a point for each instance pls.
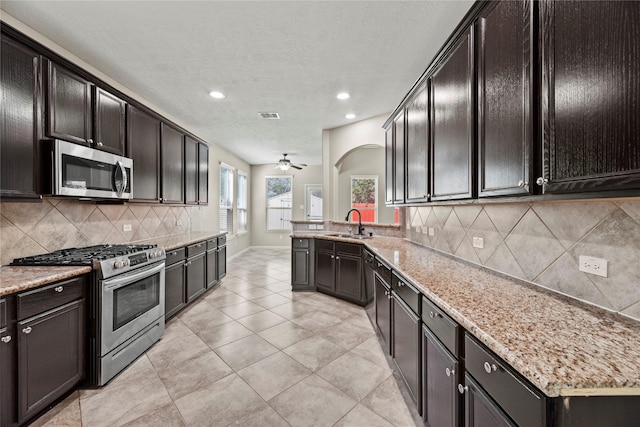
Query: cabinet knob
x: 6, y: 339
x: 160, y: 199
x: 521, y: 183
x: 332, y: 257
x: 490, y: 367
x: 90, y: 140
x: 434, y: 315
x: 337, y: 257
x: 462, y: 388
x: 27, y: 330
x: 449, y: 372
x: 307, y: 252
x: 58, y: 289
x: 542, y: 181
x: 99, y: 143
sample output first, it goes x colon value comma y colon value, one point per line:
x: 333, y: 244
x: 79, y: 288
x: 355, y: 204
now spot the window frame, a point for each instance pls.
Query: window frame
x: 242, y: 227
x: 231, y: 200
x: 267, y: 208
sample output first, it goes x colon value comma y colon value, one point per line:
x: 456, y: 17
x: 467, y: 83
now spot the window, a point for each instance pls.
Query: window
x: 242, y: 201
x: 226, y: 198
x: 364, y: 197
x: 279, y: 202
x: 313, y: 202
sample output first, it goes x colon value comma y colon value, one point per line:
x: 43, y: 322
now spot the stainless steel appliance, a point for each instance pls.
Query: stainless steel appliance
x: 76, y: 170
x: 126, y: 302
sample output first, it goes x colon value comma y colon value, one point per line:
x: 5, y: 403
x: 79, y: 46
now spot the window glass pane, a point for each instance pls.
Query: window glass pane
x: 242, y: 201
x: 279, y: 202
x: 364, y: 192
x: 226, y: 198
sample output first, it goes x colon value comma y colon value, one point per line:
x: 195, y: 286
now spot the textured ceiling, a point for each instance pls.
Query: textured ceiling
x: 290, y: 57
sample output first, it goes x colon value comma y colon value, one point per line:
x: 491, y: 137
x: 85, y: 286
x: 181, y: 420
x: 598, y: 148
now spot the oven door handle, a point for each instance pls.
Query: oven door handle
x: 125, y: 279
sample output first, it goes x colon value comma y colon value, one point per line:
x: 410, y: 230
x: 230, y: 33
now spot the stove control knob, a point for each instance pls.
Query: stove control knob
x: 152, y: 255
x: 118, y: 264
x: 127, y: 263
x: 159, y: 253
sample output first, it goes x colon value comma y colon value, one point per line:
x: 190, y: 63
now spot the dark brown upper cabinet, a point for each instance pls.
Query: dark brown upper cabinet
x: 388, y: 168
x: 143, y: 146
x: 505, y: 60
x: 190, y: 171
x: 172, y: 146
x: 452, y: 123
x: 68, y: 105
x: 20, y: 118
x: 109, y: 122
x: 417, y: 147
x: 399, y: 158
x: 590, y: 95
x: 203, y: 174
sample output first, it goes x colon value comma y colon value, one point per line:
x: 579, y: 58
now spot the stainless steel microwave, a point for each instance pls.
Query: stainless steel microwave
x: 85, y: 172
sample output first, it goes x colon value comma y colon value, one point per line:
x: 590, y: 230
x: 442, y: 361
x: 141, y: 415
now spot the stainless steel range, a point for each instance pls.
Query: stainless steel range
x: 126, y: 302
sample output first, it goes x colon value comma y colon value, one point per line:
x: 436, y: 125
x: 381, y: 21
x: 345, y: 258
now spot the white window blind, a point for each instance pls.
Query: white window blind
x: 226, y: 198
x: 242, y: 201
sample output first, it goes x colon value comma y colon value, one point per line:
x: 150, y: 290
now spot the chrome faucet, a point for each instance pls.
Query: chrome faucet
x: 360, y: 227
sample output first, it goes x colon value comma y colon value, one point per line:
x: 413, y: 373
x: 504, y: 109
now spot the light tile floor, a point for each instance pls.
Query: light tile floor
x: 253, y: 353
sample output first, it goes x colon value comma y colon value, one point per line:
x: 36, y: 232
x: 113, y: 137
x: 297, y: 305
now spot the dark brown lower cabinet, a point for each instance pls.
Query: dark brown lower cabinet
x: 222, y: 260
x: 196, y: 276
x: 383, y: 310
x: 212, y: 268
x: 8, y: 361
x: 406, y: 344
x: 324, y: 269
x: 349, y: 276
x: 174, y: 294
x: 480, y: 411
x: 441, y: 372
x: 51, y: 354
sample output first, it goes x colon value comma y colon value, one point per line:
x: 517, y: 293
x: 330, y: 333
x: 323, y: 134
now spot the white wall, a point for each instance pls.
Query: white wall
x: 259, y: 235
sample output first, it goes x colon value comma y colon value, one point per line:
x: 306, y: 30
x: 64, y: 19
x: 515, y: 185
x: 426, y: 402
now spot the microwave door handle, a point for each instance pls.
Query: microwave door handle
x: 119, y: 281
x: 123, y: 172
x: 125, y: 177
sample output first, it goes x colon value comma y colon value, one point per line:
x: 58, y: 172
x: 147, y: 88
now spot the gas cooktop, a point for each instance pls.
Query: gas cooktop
x: 82, y: 256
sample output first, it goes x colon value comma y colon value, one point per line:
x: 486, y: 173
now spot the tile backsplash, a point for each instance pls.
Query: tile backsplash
x: 35, y: 228
x: 541, y: 243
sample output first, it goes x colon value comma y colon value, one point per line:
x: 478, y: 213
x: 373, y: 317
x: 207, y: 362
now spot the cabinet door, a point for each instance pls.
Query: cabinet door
x: 109, y: 122
x: 143, y: 146
x: 175, y: 293
x: 212, y: 268
x: 452, y: 124
x: 383, y: 310
x: 441, y: 400
x: 190, y: 171
x: 505, y: 58
x: 325, y: 270
x: 203, y: 174
x: 349, y: 277
x: 8, y: 362
x: 300, y: 267
x: 398, y: 159
x: 480, y: 410
x: 388, y: 175
x: 196, y: 276
x: 222, y: 262
x: 172, y: 165
x: 51, y: 355
x: 417, y: 147
x: 406, y: 345
x: 20, y: 120
x: 590, y: 91
x: 68, y: 105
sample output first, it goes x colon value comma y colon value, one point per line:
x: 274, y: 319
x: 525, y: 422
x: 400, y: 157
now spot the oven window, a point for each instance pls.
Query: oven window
x: 137, y: 298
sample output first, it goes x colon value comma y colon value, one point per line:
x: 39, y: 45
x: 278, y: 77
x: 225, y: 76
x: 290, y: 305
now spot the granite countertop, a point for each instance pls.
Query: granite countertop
x: 179, y: 240
x: 16, y: 279
x: 563, y: 346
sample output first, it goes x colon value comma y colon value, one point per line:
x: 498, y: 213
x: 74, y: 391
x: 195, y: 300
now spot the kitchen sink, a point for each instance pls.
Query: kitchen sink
x: 350, y: 236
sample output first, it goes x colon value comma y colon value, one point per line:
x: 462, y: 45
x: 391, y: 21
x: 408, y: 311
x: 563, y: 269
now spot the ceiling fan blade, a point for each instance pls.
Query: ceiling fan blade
x: 302, y: 164
x: 296, y: 167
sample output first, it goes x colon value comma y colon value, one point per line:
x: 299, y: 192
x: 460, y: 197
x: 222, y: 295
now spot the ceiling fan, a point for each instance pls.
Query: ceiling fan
x: 284, y: 164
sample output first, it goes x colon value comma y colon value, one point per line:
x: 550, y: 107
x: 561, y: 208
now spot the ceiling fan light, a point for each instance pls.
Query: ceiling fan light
x: 284, y: 166
x: 343, y: 95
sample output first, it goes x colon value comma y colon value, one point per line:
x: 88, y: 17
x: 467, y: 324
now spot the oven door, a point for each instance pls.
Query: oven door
x: 130, y: 303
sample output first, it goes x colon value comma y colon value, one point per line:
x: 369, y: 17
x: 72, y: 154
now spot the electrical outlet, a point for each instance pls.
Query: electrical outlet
x: 478, y: 242
x: 425, y: 230
x: 178, y: 222
x: 312, y: 226
x: 319, y: 226
x: 592, y: 265
x: 432, y: 231
x: 126, y: 227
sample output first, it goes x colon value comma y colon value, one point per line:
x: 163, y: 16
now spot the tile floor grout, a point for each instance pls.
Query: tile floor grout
x: 323, y: 379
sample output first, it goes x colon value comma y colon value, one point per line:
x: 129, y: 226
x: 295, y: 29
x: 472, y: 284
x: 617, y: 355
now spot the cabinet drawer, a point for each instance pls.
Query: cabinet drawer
x: 176, y: 255
x: 212, y: 243
x: 300, y: 243
x: 383, y: 271
x: 348, y: 248
x: 3, y: 313
x: 326, y: 245
x: 222, y: 240
x: 195, y: 249
x: 408, y: 293
x: 520, y: 400
x: 48, y: 297
x: 442, y: 326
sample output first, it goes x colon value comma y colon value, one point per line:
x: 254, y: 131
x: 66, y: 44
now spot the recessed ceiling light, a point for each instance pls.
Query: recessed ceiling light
x: 343, y: 95
x: 350, y: 116
x: 217, y: 95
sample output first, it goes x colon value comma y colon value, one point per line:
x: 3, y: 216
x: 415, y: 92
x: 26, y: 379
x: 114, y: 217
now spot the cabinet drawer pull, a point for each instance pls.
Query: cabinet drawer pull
x: 542, y: 181
x: 490, y: 367
x: 90, y: 140
x: 6, y: 339
x: 401, y: 284
x: 27, y: 330
x: 449, y: 372
x: 332, y: 257
x: 462, y: 389
x: 434, y: 315
x: 174, y: 253
x: 58, y: 289
x: 100, y: 144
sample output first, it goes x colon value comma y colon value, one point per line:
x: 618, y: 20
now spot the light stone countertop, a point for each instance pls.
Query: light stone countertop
x: 180, y: 240
x: 563, y: 346
x: 16, y: 279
